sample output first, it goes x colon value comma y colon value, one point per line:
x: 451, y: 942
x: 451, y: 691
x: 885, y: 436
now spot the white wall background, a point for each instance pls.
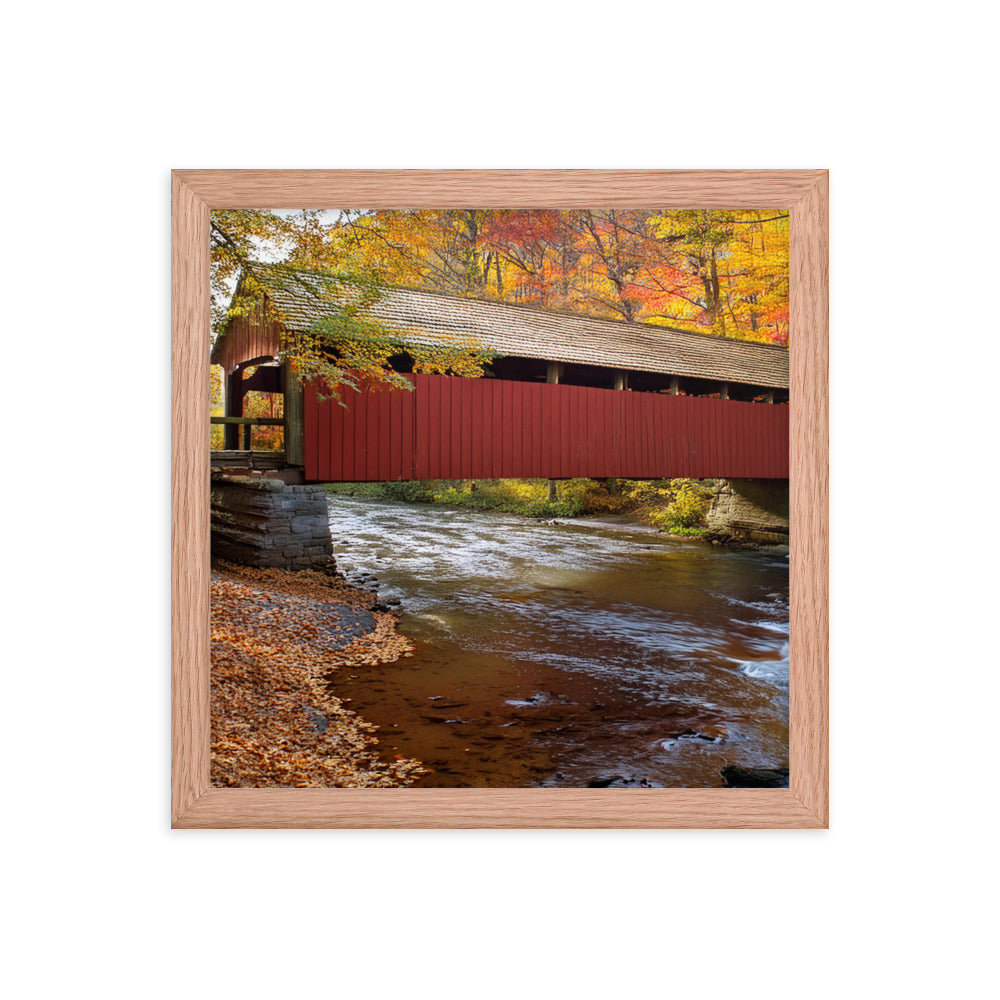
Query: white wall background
x: 898, y: 898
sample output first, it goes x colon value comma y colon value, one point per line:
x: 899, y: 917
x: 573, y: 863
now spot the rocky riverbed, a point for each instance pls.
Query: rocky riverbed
x: 278, y: 640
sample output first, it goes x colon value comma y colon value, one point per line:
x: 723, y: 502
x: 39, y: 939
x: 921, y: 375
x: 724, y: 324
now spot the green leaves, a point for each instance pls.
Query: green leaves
x: 259, y: 257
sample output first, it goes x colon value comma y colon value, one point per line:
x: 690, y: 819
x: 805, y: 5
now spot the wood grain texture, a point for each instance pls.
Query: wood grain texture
x: 189, y: 477
x: 809, y: 499
x: 558, y: 430
x: 464, y: 808
x: 803, y: 805
x: 386, y: 189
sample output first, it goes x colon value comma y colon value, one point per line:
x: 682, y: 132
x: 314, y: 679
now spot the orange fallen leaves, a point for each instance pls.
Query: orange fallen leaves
x: 277, y: 638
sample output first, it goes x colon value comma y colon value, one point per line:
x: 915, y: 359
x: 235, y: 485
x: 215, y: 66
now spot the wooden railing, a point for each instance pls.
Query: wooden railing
x: 247, y: 424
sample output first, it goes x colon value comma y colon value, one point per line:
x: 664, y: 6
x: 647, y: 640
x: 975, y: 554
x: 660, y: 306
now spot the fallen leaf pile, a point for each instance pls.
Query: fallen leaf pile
x: 277, y: 637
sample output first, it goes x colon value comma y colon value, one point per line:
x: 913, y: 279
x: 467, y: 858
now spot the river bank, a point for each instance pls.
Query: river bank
x: 592, y: 652
x: 278, y: 640
x: 674, y: 506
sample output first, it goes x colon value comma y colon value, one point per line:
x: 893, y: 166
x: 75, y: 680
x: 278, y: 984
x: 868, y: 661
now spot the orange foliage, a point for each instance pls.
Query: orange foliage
x: 722, y: 272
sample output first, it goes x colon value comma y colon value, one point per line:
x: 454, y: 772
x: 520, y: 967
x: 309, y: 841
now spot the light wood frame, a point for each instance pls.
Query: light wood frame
x: 804, y: 804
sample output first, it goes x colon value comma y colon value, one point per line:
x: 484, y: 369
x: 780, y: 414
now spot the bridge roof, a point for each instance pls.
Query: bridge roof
x: 532, y: 332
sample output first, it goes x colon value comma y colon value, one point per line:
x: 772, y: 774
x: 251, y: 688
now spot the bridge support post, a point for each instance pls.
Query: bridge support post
x: 552, y: 376
x: 234, y: 407
x: 675, y: 385
x: 294, y: 446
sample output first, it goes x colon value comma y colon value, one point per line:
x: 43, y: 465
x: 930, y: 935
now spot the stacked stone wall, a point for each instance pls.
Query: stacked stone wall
x: 265, y: 522
x: 752, y: 511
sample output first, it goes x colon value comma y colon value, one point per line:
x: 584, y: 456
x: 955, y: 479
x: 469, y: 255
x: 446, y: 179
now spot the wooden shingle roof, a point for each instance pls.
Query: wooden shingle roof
x: 531, y: 332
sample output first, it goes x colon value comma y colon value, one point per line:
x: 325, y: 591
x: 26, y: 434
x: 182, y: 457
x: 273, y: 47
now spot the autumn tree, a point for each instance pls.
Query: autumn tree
x: 254, y: 253
x: 719, y: 272
x: 739, y: 260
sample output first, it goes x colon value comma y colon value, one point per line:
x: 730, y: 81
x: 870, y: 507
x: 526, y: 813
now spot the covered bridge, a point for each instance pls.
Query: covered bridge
x: 567, y: 395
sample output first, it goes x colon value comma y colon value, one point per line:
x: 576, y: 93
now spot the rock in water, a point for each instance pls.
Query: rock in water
x: 617, y: 781
x: 754, y: 777
x: 604, y: 782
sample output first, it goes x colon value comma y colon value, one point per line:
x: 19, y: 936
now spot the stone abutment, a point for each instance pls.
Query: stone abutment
x: 261, y: 521
x: 750, y: 511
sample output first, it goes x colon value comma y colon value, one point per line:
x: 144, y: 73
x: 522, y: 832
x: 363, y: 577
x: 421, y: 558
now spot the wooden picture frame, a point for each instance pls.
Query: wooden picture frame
x: 803, y: 804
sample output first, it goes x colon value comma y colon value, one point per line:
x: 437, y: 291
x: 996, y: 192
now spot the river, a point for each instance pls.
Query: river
x: 569, y: 653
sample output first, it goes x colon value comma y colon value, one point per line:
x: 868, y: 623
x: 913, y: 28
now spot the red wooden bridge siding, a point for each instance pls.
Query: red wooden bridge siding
x: 455, y: 428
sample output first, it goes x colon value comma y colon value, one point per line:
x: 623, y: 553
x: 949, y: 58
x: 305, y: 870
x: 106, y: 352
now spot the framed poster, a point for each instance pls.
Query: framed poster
x: 559, y: 404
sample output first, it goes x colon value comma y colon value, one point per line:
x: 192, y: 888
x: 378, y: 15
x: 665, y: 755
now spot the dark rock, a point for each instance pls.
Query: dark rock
x: 713, y: 734
x: 317, y: 719
x: 710, y: 734
x: 603, y: 782
x: 619, y: 782
x: 754, y: 777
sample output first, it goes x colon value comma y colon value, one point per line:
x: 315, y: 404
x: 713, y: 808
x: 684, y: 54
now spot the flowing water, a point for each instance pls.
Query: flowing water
x: 568, y: 653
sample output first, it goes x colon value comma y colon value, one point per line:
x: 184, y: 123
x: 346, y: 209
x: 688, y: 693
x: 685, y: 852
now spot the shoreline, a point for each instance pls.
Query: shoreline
x: 531, y: 499
x: 278, y: 638
x: 626, y: 520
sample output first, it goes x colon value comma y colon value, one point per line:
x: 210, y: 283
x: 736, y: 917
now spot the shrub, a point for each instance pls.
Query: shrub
x: 591, y: 496
x: 411, y: 491
x: 454, y: 495
x: 643, y: 494
x: 685, y: 513
x: 354, y: 489
x: 674, y: 505
x: 552, y: 508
